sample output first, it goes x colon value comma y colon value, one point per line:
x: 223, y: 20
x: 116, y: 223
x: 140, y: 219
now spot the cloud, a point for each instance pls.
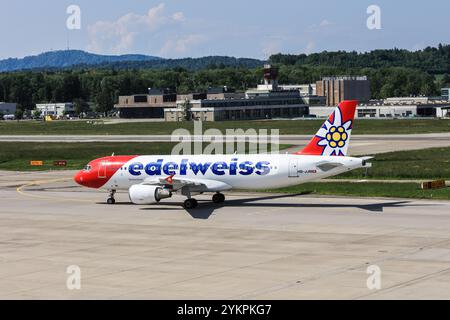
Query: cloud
x: 418, y: 46
x: 272, y: 45
x: 131, y: 30
x: 325, y: 23
x: 310, y: 46
x: 181, y: 45
x: 178, y: 16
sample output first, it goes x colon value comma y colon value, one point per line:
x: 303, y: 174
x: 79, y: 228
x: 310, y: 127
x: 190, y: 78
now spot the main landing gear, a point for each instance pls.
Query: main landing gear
x: 218, y: 198
x: 111, y: 199
x: 191, y: 203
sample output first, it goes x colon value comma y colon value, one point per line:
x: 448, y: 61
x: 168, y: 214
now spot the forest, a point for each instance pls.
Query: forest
x: 391, y: 73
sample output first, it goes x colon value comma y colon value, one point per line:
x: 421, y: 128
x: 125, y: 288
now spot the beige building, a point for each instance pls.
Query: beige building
x: 149, y: 105
x: 337, y: 89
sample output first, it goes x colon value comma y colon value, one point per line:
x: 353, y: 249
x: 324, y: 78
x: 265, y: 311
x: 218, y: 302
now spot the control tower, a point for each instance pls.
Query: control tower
x: 270, y: 78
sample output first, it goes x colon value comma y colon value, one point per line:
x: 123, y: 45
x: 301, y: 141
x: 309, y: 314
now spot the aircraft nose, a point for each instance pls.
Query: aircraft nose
x: 78, y: 178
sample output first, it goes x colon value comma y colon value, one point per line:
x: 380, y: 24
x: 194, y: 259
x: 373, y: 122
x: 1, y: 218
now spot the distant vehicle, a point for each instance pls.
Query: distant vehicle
x: 150, y: 179
x: 9, y: 117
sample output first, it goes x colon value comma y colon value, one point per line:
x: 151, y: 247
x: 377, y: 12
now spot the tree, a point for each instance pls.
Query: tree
x: 27, y: 114
x: 186, y: 110
x: 445, y: 82
x: 37, y: 114
x: 18, y: 114
x: 104, y: 102
x: 81, y: 106
x: 104, y: 98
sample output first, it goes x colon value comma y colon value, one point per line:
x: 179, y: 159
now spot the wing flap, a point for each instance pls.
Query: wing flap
x: 177, y: 183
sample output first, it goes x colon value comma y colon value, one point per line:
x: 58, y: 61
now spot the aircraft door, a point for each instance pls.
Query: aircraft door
x: 102, y: 169
x: 293, y: 168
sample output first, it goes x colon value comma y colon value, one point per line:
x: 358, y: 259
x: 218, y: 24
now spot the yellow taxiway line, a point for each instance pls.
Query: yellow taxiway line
x: 22, y: 192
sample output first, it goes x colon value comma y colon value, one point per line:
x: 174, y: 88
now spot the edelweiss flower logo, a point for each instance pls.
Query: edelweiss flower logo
x: 334, y: 136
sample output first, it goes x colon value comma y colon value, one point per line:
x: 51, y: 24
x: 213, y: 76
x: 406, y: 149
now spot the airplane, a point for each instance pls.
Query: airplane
x: 150, y: 179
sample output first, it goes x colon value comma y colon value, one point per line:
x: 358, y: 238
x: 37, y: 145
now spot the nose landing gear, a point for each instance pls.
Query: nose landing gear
x: 111, y: 199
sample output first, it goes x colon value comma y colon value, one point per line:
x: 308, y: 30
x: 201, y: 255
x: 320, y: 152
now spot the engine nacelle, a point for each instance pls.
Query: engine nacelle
x: 145, y: 194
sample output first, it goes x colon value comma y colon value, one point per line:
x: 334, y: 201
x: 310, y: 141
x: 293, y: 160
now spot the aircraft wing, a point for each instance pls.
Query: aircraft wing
x: 177, y: 183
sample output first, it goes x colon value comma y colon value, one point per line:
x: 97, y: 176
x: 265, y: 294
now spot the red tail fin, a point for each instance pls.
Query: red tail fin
x: 333, y: 137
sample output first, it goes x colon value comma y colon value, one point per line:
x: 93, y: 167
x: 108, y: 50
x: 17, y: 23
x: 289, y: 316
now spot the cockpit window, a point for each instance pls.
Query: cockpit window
x: 87, y: 168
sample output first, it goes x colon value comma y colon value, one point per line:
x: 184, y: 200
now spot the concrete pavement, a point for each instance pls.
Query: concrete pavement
x: 256, y: 246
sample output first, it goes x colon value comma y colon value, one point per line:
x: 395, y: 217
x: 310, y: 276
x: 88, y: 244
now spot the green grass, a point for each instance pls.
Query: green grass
x: 362, y: 126
x: 16, y: 156
x: 397, y: 190
x: 431, y: 163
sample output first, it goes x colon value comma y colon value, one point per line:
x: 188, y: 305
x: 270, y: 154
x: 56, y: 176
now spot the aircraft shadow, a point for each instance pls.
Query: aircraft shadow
x: 206, y: 208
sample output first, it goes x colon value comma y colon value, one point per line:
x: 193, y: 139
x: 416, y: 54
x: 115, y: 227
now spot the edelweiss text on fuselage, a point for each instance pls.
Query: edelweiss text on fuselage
x: 219, y: 168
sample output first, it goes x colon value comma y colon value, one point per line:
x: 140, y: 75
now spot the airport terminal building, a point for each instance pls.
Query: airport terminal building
x: 267, y: 101
x: 278, y: 105
x: 150, y: 105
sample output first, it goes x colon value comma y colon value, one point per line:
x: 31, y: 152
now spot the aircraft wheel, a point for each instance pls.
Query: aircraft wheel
x: 190, y: 204
x: 111, y: 201
x: 218, y: 198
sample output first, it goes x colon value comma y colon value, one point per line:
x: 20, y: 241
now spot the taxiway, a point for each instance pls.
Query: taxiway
x: 256, y: 246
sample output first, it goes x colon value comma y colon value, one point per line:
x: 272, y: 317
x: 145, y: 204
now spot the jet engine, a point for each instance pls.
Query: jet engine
x: 146, y: 194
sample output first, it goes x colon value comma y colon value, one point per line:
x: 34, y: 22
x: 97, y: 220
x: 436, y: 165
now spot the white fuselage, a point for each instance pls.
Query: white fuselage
x: 254, y: 171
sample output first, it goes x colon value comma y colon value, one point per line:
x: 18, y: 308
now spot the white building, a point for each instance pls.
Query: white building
x: 413, y: 100
x: 55, y: 109
x: 304, y: 89
x: 445, y: 93
x: 391, y: 108
x: 387, y: 111
x: 443, y: 112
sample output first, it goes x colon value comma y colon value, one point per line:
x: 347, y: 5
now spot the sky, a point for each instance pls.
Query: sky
x: 194, y: 28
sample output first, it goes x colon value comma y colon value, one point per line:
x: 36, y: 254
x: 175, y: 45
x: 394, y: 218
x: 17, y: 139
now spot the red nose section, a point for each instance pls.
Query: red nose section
x: 78, y: 178
x: 100, y: 171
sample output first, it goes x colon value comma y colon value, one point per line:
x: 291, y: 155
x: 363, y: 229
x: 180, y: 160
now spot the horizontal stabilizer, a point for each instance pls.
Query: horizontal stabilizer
x: 327, y: 166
